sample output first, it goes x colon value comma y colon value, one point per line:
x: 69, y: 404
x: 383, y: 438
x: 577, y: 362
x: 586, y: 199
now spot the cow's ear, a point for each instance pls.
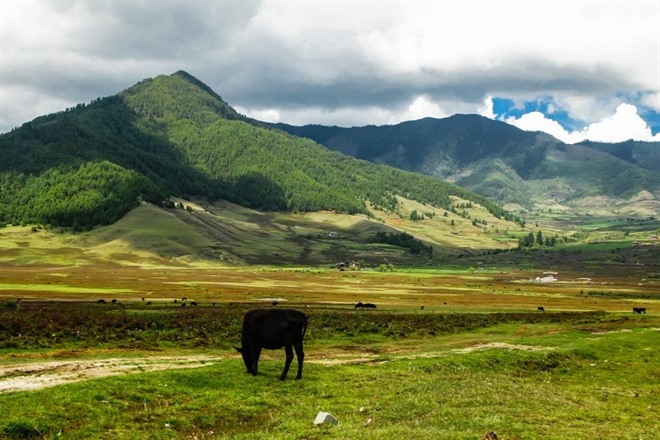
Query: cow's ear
x: 238, y: 349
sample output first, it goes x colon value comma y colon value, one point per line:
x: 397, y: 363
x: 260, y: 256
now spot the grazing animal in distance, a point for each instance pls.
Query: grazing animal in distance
x: 101, y: 301
x: 362, y: 305
x: 639, y: 310
x: 541, y: 309
x: 273, y: 329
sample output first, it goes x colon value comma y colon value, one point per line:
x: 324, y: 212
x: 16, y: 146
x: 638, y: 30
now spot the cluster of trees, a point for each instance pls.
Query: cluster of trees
x: 76, y: 197
x: 531, y: 240
x: 414, y: 215
x: 403, y: 240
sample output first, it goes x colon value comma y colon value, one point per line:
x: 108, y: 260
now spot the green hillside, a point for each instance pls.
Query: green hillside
x: 501, y: 162
x: 174, y: 136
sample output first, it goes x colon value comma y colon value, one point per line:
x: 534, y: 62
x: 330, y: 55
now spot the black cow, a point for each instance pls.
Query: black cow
x: 362, y: 305
x: 639, y: 310
x: 541, y: 309
x: 273, y: 329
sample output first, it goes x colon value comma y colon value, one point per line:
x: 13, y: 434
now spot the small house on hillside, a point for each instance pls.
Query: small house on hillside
x: 345, y: 265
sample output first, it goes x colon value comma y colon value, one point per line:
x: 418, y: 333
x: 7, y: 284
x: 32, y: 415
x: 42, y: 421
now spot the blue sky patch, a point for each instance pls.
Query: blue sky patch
x: 505, y: 108
x: 652, y: 119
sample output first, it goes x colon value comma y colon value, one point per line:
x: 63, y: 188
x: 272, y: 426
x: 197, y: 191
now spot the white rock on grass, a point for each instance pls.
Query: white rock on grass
x: 324, y: 418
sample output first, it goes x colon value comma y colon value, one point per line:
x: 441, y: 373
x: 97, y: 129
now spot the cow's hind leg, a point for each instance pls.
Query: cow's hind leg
x: 300, y: 355
x: 289, y: 357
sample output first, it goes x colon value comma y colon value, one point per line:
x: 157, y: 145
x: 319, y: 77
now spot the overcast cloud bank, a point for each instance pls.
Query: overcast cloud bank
x: 595, y: 65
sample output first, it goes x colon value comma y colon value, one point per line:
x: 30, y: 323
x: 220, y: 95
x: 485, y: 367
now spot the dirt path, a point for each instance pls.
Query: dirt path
x: 37, y: 375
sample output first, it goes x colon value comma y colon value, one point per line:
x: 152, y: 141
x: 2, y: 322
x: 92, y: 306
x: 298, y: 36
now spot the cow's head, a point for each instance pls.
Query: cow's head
x: 247, y: 359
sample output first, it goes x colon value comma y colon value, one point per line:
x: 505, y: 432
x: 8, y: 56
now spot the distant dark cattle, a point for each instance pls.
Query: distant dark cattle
x: 273, y: 329
x: 541, y: 309
x: 193, y: 303
x: 362, y: 305
x: 421, y: 308
x: 639, y: 310
x: 101, y: 301
x: 114, y: 301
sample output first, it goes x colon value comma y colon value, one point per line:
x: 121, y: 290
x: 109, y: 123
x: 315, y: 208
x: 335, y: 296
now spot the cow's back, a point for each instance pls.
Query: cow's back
x: 273, y: 328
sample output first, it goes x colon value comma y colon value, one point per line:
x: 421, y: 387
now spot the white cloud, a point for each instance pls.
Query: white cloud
x: 421, y: 107
x: 341, y: 116
x: 336, y: 60
x: 623, y: 125
x: 536, y: 121
x: 652, y: 100
x: 486, y: 110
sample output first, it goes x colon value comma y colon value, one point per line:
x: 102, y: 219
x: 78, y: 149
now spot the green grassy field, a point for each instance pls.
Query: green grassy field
x: 522, y: 376
x: 478, y: 358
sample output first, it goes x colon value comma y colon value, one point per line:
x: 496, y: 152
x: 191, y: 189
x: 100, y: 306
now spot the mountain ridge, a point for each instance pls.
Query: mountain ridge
x: 500, y: 161
x: 172, y: 135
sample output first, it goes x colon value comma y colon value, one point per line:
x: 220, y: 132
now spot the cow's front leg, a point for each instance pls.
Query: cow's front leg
x: 256, y: 353
x: 289, y: 357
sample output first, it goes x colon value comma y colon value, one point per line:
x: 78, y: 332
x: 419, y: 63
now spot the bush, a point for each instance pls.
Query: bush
x: 21, y: 429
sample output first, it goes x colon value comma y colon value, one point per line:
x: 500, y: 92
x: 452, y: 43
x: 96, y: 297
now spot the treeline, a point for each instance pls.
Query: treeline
x: 403, y: 240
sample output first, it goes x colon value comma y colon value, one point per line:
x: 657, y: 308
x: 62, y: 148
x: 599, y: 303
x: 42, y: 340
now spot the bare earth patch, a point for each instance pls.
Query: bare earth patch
x: 32, y: 376
x: 500, y: 345
x: 37, y: 375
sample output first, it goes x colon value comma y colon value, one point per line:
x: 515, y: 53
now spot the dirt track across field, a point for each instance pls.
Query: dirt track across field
x: 37, y: 375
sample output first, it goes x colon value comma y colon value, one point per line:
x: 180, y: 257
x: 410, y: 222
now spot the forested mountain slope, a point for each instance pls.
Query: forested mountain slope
x: 500, y: 161
x: 172, y: 135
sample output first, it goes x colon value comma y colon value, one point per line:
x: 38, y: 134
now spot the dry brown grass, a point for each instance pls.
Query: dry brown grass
x: 446, y: 292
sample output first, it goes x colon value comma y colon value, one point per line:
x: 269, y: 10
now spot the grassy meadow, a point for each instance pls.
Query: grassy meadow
x: 456, y: 349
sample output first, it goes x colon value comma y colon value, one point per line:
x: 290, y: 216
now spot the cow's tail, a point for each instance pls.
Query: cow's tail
x: 304, y: 329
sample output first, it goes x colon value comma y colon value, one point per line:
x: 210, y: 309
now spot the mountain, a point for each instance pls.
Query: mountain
x: 174, y: 136
x: 505, y: 163
x: 644, y: 154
